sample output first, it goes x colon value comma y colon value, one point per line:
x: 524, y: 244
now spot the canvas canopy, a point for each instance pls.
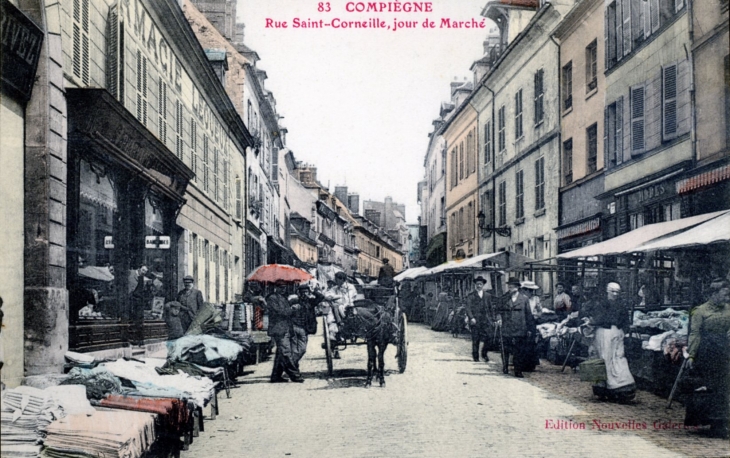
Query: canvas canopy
x: 631, y: 242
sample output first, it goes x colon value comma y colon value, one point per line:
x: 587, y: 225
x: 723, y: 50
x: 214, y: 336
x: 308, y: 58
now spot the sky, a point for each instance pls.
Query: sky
x: 359, y: 103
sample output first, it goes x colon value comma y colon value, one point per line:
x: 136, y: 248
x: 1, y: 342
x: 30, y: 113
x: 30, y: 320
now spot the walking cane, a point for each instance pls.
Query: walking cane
x: 676, y: 382
x: 570, y: 351
x: 505, y: 364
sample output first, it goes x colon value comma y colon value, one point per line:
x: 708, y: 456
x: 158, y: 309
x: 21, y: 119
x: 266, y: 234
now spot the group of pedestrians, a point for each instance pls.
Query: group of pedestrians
x: 506, y: 321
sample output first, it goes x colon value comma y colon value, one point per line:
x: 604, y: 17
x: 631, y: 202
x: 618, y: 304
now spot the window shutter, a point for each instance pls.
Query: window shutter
x: 162, y: 110
x: 487, y: 142
x: 619, y: 142
x: 610, y: 35
x: 85, y: 41
x: 669, y: 102
x: 637, y: 120
x: 112, y: 51
x: 626, y: 9
x: 655, y: 15
x: 607, y: 153
x: 179, y: 129
x: 619, y: 31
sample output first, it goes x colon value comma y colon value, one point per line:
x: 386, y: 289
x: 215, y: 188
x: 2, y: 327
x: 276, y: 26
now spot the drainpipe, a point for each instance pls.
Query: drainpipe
x: 560, y: 151
x: 494, y: 159
x: 692, y: 94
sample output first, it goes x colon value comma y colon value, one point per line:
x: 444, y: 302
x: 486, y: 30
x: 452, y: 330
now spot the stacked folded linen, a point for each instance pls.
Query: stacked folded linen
x: 145, y: 378
x: 24, y: 418
x: 108, y: 433
x: 174, y: 413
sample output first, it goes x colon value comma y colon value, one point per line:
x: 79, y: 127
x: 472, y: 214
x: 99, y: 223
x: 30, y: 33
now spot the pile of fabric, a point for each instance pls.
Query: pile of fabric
x: 664, y: 330
x: 24, y: 419
x: 98, y: 381
x: 147, y: 382
x: 108, y: 433
x: 174, y: 413
x: 204, y: 350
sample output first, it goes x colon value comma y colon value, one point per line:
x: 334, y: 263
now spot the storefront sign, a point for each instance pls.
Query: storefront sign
x: 650, y: 194
x: 21, y: 47
x: 581, y: 228
x: 161, y: 242
x: 108, y: 242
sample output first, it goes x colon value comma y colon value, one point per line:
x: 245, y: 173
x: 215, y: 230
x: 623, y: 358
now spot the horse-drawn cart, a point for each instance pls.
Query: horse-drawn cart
x: 376, y: 322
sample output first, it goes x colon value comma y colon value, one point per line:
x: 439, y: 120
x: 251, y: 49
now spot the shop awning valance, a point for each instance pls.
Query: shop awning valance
x: 501, y: 260
x: 632, y: 241
x: 711, y: 231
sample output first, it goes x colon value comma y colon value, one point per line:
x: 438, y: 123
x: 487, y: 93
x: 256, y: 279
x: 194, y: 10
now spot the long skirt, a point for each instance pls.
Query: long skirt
x: 609, y: 344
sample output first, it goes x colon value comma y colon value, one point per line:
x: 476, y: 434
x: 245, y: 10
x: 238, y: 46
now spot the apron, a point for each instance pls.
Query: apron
x: 609, y: 344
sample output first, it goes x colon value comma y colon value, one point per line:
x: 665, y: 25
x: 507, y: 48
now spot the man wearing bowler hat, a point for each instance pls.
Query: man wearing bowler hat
x: 478, y: 308
x: 517, y: 327
x: 191, y: 300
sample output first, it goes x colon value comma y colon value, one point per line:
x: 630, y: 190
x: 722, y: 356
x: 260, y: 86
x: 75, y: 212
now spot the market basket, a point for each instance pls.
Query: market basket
x: 593, y: 370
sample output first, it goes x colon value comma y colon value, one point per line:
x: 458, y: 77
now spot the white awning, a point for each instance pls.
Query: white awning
x: 711, y: 231
x: 631, y: 241
x: 409, y: 273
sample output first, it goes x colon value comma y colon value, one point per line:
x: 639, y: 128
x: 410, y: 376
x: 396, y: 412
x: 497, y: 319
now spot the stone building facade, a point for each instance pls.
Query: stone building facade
x: 582, y: 87
x: 519, y: 121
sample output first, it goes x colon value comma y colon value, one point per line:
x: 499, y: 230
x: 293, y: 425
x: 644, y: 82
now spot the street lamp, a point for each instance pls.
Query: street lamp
x: 504, y: 231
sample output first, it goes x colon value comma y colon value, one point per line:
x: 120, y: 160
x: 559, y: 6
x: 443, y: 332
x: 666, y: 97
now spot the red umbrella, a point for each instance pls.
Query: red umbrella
x: 279, y: 273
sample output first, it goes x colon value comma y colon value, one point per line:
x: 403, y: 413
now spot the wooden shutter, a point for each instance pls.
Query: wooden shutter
x: 112, y: 52
x: 655, y: 15
x: 162, y: 110
x: 607, y: 152
x: 487, y: 142
x: 637, y: 120
x: 626, y: 10
x: 619, y: 139
x: 669, y: 102
x: 619, y: 31
x: 609, y: 35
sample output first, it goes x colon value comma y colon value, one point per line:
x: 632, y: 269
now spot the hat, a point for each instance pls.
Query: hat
x: 481, y: 279
x: 613, y: 286
x: 513, y: 281
x: 341, y: 275
x: 560, y: 283
x: 188, y: 278
x: 173, y: 304
x: 527, y: 284
x: 303, y: 286
x: 385, y: 260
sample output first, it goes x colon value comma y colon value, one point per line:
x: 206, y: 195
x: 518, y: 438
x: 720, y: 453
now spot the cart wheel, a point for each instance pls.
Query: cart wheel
x: 403, y: 344
x: 327, y: 347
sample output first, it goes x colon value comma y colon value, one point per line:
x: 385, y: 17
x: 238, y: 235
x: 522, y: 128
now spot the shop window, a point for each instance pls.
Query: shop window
x: 636, y: 220
x: 92, y: 293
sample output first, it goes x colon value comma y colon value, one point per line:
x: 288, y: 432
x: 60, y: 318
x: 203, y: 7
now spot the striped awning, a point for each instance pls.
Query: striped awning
x: 703, y: 179
x: 578, y: 229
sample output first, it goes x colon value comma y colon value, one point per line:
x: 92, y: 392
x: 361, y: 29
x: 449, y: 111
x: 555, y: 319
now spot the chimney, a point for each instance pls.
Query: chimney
x: 353, y: 203
x: 341, y: 193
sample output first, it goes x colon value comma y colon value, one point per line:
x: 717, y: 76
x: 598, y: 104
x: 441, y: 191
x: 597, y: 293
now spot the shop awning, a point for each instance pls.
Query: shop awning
x: 631, y: 241
x: 501, y: 260
x: 409, y: 274
x: 711, y: 231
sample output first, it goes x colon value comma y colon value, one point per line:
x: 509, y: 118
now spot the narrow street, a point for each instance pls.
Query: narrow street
x: 443, y: 405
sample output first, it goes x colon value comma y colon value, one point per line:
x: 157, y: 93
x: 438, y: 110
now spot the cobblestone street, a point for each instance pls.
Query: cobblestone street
x: 443, y: 405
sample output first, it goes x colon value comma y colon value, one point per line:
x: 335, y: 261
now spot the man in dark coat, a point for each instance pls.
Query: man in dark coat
x: 518, y: 327
x: 386, y: 274
x: 304, y: 320
x: 280, y: 329
x: 191, y: 300
x: 478, y: 307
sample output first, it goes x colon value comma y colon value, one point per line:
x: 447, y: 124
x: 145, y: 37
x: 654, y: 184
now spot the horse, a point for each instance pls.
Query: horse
x: 372, y: 321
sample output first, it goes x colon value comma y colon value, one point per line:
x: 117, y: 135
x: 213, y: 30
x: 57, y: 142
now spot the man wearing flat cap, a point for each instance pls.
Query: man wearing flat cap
x: 191, y: 300
x: 478, y: 308
x: 518, y: 327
